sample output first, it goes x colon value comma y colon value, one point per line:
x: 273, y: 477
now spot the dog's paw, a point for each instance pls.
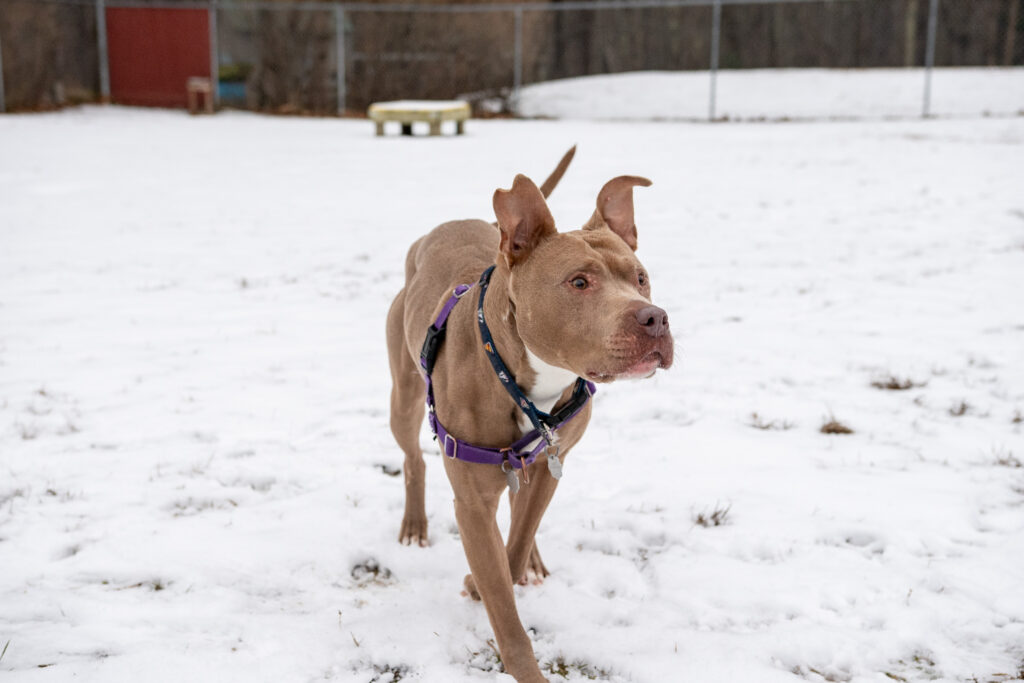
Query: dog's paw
x: 531, y: 578
x: 414, y: 532
x: 536, y: 572
x: 469, y: 588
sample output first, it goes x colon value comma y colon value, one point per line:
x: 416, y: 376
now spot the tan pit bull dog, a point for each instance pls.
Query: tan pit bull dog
x: 558, y: 307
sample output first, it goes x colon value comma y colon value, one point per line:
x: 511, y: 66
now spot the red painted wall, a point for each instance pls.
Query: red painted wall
x: 153, y: 52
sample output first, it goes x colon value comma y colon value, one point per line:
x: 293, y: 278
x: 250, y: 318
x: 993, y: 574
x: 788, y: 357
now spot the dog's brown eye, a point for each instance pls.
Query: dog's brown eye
x: 642, y: 279
x: 579, y: 283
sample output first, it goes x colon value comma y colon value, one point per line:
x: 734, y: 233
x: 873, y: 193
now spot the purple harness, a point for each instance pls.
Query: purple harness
x: 525, y: 450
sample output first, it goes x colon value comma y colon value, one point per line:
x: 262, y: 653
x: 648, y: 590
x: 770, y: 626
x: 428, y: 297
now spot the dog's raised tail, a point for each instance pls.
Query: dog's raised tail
x: 549, y: 185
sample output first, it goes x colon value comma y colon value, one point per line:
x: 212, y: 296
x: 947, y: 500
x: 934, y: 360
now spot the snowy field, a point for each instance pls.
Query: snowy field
x: 198, y: 482
x: 755, y: 94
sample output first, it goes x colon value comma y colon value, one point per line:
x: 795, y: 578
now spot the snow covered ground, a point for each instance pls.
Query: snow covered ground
x: 778, y: 94
x: 198, y: 483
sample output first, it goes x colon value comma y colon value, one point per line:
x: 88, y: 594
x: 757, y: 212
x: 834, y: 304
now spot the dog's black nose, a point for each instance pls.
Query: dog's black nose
x: 653, y: 319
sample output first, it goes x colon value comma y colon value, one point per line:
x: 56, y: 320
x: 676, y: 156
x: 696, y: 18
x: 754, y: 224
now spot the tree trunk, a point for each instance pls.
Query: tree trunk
x: 910, y: 34
x: 1011, y: 32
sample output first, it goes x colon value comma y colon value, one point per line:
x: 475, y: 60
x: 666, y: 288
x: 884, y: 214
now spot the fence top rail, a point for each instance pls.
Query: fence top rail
x: 328, y: 6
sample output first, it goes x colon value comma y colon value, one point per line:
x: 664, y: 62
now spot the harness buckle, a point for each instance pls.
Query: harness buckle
x: 431, y: 345
x: 455, y: 446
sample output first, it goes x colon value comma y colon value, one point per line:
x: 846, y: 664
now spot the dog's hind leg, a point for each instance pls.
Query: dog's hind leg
x: 528, y: 506
x: 407, y: 409
x: 536, y: 572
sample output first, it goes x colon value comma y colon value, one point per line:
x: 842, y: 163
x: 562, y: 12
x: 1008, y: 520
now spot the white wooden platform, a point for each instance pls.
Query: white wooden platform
x: 407, y: 112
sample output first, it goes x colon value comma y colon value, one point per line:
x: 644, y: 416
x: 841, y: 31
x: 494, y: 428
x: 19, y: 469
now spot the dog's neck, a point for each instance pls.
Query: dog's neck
x: 543, y: 383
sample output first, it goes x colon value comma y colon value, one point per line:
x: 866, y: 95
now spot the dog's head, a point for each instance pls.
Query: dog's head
x: 582, y: 299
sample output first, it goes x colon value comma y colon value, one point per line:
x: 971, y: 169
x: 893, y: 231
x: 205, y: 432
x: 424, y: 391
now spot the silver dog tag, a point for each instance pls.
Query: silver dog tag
x: 554, y: 465
x: 513, y: 480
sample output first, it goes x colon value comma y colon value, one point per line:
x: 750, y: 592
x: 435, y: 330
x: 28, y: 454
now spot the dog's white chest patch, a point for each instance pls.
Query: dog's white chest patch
x: 547, y: 389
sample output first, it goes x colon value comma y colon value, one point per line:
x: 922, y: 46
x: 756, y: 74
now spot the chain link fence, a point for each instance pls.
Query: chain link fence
x: 325, y: 58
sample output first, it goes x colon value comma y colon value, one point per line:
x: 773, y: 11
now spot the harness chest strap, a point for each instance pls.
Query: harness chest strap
x: 526, y: 449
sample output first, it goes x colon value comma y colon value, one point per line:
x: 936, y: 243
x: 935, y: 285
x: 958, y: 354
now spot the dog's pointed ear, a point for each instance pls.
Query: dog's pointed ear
x: 523, y: 219
x: 615, y: 208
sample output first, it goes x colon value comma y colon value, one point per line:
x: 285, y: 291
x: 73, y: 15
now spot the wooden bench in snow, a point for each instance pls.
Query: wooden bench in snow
x: 407, y: 112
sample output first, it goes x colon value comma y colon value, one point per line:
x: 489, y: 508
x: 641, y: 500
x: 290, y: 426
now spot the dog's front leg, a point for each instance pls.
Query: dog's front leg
x: 477, y: 492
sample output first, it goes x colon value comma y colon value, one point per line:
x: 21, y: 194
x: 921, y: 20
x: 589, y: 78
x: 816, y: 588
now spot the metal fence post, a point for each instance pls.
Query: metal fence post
x: 929, y: 57
x: 517, y: 67
x: 3, y: 101
x: 214, y: 55
x: 716, y: 29
x: 101, y: 49
x: 339, y: 46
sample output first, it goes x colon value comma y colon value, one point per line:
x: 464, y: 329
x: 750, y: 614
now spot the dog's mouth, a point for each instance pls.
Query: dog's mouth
x: 642, y: 368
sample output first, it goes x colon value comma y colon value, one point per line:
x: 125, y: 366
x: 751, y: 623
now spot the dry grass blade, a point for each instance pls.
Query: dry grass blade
x: 893, y: 383
x: 715, y: 517
x: 834, y: 426
x: 1006, y: 458
x: 959, y: 409
x: 758, y: 422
